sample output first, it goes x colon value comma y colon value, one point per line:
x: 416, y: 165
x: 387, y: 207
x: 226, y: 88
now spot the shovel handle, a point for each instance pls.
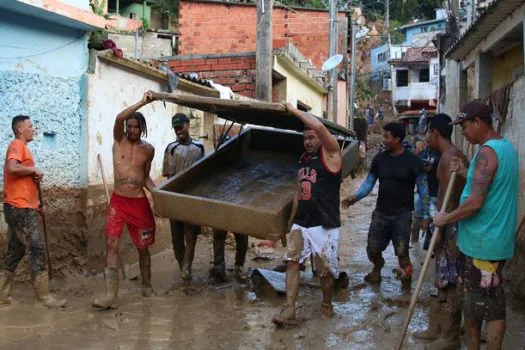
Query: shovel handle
x: 41, y: 206
x: 421, y: 278
x: 101, y: 166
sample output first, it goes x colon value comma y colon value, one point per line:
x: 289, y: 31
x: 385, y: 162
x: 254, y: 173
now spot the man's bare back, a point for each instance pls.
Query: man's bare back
x: 443, y: 176
x: 132, y: 156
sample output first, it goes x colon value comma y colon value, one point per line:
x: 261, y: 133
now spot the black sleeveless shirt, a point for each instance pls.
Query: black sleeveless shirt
x: 318, y: 195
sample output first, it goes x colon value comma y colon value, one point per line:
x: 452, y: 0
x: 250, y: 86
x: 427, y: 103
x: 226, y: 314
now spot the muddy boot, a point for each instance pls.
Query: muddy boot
x: 189, y: 253
x: 6, y: 282
x: 404, y: 273
x: 218, y: 273
x: 108, y: 300
x: 341, y: 282
x: 41, y: 285
x: 287, y: 316
x: 145, y: 273
x: 450, y: 328
x: 327, y: 286
x: 374, y: 276
x: 434, y: 328
x: 414, y: 236
x: 237, y: 273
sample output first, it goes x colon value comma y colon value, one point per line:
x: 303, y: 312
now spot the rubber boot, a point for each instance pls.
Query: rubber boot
x: 374, y: 276
x: 218, y: 270
x: 6, y: 282
x: 414, y: 237
x: 237, y: 273
x: 450, y: 323
x: 145, y: 273
x: 189, y: 253
x: 287, y: 316
x: 108, y: 300
x: 405, y: 271
x: 434, y: 327
x: 41, y: 285
x: 327, y: 286
x: 218, y: 273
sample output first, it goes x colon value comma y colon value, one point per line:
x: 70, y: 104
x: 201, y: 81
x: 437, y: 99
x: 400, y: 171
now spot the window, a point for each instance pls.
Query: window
x: 303, y: 106
x: 382, y: 57
x: 402, y: 77
x: 436, y: 69
x: 424, y: 75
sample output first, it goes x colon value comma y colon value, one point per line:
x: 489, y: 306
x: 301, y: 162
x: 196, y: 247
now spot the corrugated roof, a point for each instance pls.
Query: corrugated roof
x: 492, y: 16
x: 417, y: 55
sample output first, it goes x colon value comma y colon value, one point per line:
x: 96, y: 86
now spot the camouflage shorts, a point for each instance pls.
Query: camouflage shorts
x: 24, y: 232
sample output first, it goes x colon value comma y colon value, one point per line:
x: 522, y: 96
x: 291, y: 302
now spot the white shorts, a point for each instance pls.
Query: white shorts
x: 324, y: 243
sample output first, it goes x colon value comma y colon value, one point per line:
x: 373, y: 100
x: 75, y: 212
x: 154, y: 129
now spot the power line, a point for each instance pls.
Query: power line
x: 43, y: 52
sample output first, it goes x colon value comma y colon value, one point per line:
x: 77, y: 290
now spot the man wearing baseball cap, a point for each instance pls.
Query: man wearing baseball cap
x: 487, y: 220
x: 178, y: 156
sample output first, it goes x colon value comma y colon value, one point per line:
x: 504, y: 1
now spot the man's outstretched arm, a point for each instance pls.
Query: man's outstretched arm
x: 364, y: 190
x: 118, y: 128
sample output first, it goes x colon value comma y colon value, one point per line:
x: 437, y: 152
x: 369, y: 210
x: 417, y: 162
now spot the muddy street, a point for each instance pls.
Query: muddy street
x: 208, y: 316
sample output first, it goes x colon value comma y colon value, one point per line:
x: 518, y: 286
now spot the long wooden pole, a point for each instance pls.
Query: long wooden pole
x: 42, y: 214
x: 423, y: 273
x: 101, y: 166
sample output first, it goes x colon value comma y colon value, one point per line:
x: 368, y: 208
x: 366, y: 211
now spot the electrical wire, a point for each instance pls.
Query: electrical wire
x: 43, y: 52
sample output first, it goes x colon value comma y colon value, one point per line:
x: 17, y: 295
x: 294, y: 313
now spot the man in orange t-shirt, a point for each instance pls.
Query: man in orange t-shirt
x: 21, y: 206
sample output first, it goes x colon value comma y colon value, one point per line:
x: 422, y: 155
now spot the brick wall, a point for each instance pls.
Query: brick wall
x: 214, y: 27
x: 236, y: 72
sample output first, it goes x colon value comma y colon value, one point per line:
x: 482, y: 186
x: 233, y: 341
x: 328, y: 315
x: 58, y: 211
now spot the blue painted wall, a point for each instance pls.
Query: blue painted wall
x: 376, y: 66
x: 42, y: 74
x: 430, y: 27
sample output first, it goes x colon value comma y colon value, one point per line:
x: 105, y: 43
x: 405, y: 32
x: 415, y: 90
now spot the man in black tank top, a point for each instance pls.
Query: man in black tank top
x: 315, y: 219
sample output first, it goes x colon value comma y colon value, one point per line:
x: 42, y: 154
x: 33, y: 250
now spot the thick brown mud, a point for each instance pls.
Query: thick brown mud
x: 209, y: 316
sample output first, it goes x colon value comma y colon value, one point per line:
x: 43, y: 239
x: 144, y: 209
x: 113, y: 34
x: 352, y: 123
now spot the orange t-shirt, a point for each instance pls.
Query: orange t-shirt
x: 20, y: 192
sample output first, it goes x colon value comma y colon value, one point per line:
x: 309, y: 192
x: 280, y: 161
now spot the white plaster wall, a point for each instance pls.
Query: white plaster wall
x: 297, y: 89
x: 514, y: 130
x: 110, y: 90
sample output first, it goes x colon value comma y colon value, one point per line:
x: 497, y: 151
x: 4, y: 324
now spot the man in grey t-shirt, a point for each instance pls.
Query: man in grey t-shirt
x: 178, y: 156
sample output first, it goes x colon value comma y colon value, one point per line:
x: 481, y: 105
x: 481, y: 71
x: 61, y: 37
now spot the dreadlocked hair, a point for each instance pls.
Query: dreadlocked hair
x: 142, y: 122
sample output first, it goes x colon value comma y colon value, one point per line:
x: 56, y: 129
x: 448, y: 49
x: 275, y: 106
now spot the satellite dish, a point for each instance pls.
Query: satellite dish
x: 332, y: 62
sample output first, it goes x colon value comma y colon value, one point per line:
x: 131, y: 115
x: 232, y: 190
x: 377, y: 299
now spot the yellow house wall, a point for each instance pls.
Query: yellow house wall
x: 503, y: 65
x: 298, y: 90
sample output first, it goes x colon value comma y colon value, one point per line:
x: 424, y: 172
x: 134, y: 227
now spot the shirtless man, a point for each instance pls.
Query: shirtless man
x: 315, y: 215
x: 129, y: 205
x: 445, y: 311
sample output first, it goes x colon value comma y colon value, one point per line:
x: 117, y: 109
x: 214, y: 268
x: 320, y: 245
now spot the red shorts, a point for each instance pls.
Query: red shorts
x: 136, y: 214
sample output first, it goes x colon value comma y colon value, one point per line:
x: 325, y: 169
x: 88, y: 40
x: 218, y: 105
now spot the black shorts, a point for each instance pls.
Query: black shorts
x: 386, y: 228
x: 480, y: 303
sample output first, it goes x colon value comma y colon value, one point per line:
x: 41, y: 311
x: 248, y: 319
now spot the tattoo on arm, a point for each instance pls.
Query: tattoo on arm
x: 422, y: 190
x: 484, y: 172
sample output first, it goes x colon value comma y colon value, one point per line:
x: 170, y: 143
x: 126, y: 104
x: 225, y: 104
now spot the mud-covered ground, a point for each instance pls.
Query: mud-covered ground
x: 209, y: 316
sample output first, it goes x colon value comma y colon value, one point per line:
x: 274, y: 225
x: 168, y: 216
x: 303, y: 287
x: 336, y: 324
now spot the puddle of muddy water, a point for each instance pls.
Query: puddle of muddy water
x: 263, y: 179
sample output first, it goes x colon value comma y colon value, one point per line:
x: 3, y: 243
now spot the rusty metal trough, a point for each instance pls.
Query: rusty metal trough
x: 246, y: 186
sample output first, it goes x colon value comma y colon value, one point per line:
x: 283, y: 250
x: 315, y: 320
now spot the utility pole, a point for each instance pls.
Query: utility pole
x: 352, y: 81
x: 332, y: 50
x: 263, y: 55
x: 389, y: 45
